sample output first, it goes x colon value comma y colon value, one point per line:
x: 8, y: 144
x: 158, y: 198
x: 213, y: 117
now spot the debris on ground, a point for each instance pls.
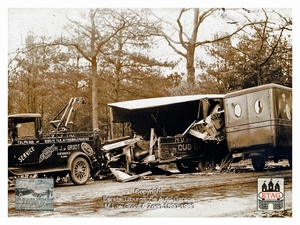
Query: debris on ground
x: 124, y: 177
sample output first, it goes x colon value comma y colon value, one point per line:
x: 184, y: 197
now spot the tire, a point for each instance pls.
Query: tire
x: 207, y: 162
x: 185, y: 167
x: 258, y: 163
x: 80, y: 171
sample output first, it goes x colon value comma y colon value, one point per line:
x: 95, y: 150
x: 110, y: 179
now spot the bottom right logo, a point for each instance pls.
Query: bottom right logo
x: 270, y: 193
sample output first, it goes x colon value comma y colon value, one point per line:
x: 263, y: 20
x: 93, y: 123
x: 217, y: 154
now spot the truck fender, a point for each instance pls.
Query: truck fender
x: 75, y: 155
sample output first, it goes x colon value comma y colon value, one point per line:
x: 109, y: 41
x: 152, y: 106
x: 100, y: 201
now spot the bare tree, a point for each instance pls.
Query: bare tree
x: 262, y: 54
x: 188, y: 36
x: 129, y: 69
x: 88, y: 39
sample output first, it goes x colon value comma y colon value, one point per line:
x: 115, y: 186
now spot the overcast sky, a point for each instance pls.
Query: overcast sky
x: 41, y: 21
x: 49, y: 22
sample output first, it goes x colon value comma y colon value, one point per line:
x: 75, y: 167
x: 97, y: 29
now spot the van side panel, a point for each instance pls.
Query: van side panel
x: 265, y: 119
x: 237, y: 126
x: 260, y: 113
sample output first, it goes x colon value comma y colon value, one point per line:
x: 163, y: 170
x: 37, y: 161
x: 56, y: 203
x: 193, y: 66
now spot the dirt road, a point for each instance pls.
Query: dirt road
x: 231, y: 193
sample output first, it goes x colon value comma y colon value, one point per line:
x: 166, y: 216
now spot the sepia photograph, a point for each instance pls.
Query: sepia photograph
x: 148, y: 112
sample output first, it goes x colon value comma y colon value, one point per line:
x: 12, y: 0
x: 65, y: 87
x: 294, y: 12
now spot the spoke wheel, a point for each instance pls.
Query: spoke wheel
x: 207, y: 163
x: 80, y: 171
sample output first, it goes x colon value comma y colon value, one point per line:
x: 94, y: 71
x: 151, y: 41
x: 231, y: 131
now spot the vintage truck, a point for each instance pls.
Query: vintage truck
x: 58, y: 153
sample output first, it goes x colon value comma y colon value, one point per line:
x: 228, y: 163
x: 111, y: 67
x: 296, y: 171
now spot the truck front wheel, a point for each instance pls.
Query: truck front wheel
x: 80, y: 171
x: 258, y: 163
x: 207, y: 162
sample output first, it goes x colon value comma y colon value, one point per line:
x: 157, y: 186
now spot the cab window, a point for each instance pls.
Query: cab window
x: 25, y: 130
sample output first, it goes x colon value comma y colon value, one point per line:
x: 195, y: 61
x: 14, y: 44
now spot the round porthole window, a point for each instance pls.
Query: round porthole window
x: 237, y: 110
x: 258, y: 106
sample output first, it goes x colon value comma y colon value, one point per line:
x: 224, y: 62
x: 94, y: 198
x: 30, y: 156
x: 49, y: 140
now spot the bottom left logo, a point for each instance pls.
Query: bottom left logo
x: 34, y: 194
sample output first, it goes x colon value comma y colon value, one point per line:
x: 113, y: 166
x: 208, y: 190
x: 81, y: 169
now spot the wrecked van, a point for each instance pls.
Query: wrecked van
x: 258, y: 124
x: 185, y: 130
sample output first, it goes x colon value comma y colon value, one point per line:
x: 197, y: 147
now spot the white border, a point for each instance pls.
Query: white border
x: 153, y: 4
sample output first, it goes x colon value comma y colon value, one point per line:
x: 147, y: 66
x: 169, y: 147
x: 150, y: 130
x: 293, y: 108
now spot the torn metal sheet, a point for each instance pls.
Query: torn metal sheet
x: 124, y: 177
x: 210, y: 128
x: 120, y: 144
x: 120, y: 176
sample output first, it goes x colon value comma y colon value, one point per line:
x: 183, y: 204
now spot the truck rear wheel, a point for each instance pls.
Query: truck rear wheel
x: 258, y: 163
x: 207, y: 162
x: 80, y: 171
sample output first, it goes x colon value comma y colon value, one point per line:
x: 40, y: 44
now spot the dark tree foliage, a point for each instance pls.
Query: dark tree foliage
x: 43, y: 79
x: 260, y: 56
x: 127, y: 70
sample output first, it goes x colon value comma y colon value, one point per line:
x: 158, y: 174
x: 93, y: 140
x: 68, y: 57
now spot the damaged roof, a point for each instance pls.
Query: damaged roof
x: 162, y: 101
x: 167, y: 115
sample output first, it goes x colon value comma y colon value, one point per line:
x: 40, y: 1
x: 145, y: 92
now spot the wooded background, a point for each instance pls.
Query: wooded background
x: 108, y: 55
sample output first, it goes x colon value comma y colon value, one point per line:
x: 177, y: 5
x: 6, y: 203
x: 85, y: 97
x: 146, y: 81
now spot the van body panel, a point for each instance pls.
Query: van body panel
x: 259, y: 118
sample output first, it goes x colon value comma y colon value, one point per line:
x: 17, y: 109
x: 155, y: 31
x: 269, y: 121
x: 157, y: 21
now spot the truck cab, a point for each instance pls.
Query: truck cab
x: 24, y: 127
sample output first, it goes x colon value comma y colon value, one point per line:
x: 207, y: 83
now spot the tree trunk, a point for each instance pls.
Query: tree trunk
x: 94, y: 73
x: 190, y: 65
x: 94, y: 93
x: 191, y: 46
x: 118, y: 67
